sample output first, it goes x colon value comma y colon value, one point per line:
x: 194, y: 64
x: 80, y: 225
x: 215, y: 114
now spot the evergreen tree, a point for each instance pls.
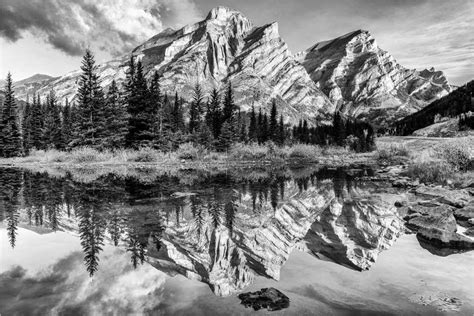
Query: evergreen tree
x: 37, y: 120
x: 116, y: 125
x: 339, y: 129
x: 177, y: 123
x: 226, y: 137
x: 90, y: 122
x: 26, y: 127
x: 66, y: 125
x: 195, y: 111
x: 260, y: 132
x: 52, y: 133
x: 10, y: 142
x: 280, y: 139
x: 253, y: 135
x: 156, y: 100
x: 265, y: 128
x: 230, y: 107
x: 273, y: 128
x: 214, y: 115
x: 140, y: 110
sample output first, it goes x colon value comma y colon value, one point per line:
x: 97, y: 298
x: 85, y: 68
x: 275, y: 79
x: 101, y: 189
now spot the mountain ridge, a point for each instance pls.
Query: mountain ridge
x: 226, y: 47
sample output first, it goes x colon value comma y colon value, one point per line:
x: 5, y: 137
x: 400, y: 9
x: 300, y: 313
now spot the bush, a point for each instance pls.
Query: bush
x: 248, y: 151
x: 302, y: 151
x: 144, y: 154
x: 189, y: 151
x: 392, y: 151
x: 456, y: 153
x: 430, y: 171
x: 85, y: 155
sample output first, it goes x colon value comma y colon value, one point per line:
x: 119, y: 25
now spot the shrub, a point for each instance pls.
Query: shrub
x: 456, y: 153
x: 248, y: 151
x: 303, y: 151
x: 189, y: 151
x: 392, y: 153
x: 144, y: 154
x: 85, y: 155
x: 430, y: 171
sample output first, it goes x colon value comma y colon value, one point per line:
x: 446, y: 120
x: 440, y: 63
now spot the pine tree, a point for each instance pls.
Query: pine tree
x: 195, y: 111
x: 116, y: 125
x: 226, y: 137
x: 281, y: 132
x: 10, y: 142
x: 52, y: 133
x: 214, y: 113
x: 339, y: 129
x: 265, y: 128
x: 37, y: 120
x: 260, y: 132
x: 230, y: 107
x: 177, y: 115
x: 273, y: 128
x: 156, y: 100
x: 90, y: 117
x: 253, y: 135
x: 66, y: 125
x: 26, y: 127
x: 140, y: 110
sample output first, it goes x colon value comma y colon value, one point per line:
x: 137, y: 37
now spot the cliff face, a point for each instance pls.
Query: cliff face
x: 365, y: 81
x: 224, y: 48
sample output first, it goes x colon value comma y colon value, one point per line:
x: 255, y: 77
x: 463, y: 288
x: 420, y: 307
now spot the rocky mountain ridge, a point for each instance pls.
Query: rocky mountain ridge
x: 350, y: 73
x: 365, y: 81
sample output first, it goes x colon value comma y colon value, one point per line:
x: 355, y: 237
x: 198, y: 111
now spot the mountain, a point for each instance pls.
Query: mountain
x: 364, y: 81
x: 225, y: 47
x: 452, y: 105
x: 30, y: 85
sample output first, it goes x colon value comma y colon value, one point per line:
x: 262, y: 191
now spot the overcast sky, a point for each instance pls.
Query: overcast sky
x: 48, y: 36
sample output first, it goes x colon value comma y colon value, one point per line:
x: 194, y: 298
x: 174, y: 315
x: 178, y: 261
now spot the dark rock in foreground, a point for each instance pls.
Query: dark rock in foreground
x: 269, y: 298
x: 437, y: 226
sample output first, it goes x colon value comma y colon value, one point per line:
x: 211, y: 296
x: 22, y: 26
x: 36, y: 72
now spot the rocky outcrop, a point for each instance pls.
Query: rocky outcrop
x: 269, y: 298
x: 437, y: 226
x: 367, y: 82
x: 224, y: 48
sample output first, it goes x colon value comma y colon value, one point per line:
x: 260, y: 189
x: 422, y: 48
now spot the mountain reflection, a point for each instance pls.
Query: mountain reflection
x: 222, y: 229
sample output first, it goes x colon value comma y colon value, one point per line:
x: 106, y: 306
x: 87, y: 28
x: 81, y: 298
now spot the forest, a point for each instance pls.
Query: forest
x: 454, y: 105
x: 138, y: 115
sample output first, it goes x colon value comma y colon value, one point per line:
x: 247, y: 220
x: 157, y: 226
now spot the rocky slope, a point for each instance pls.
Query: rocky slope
x: 223, y: 48
x: 365, y: 81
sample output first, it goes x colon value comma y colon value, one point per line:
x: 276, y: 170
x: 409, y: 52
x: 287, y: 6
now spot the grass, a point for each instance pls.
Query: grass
x: 192, y: 156
x: 446, y: 162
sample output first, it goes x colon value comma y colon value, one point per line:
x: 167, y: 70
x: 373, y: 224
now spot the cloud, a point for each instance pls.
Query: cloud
x: 115, y: 26
x: 66, y: 288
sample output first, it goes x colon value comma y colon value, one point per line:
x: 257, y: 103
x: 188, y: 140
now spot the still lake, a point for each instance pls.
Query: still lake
x: 122, y: 242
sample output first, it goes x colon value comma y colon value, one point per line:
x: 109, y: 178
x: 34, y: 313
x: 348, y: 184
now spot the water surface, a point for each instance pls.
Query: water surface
x: 187, y: 243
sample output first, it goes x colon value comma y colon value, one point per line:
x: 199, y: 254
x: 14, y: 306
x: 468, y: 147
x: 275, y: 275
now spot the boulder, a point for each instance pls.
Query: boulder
x: 466, y: 213
x: 269, y: 298
x: 456, y: 198
x: 438, y: 227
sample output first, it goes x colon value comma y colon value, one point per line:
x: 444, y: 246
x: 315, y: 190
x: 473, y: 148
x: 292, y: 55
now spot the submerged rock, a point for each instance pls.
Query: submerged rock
x: 269, y: 298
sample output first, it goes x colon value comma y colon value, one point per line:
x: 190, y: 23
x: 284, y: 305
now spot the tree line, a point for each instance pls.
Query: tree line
x: 453, y: 105
x: 138, y: 114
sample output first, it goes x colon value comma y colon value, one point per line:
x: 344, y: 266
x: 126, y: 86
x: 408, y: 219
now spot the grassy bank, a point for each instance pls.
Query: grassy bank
x: 430, y: 160
x: 192, y: 156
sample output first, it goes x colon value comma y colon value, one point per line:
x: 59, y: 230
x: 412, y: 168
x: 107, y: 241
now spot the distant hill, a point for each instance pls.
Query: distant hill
x: 450, y: 106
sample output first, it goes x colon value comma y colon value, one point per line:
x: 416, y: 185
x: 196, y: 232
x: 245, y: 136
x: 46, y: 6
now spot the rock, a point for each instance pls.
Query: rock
x: 466, y: 213
x: 469, y: 232
x: 438, y: 227
x: 457, y: 198
x: 269, y: 298
x: 367, y: 81
x: 470, y: 221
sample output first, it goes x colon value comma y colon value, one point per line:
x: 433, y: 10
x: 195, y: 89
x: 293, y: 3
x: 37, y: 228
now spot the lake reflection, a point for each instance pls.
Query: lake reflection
x: 221, y: 229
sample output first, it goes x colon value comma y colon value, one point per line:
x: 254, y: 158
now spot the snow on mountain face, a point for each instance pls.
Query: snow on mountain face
x: 225, y: 47
x: 365, y: 81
